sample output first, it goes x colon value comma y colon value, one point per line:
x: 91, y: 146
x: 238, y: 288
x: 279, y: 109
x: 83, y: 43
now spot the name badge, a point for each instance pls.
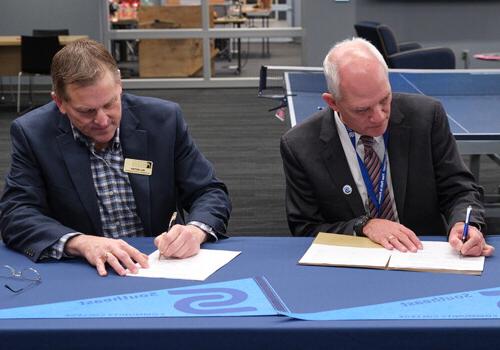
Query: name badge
x: 137, y: 166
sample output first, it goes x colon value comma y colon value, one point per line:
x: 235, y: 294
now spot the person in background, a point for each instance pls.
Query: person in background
x: 378, y: 164
x: 96, y: 165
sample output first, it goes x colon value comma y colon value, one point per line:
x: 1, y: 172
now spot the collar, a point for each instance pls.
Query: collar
x: 341, y: 128
x: 89, y: 143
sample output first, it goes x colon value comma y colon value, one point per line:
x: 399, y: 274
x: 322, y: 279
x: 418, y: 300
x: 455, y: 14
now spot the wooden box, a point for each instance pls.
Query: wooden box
x: 171, y: 57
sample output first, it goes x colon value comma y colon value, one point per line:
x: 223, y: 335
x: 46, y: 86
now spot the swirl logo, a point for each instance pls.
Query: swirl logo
x: 491, y: 293
x: 209, y: 301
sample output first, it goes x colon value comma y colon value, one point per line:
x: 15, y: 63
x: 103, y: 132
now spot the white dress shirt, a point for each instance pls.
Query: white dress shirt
x: 350, y: 154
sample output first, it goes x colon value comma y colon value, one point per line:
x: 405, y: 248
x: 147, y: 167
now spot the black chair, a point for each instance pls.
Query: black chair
x: 36, y: 57
x: 404, y: 55
x: 50, y: 32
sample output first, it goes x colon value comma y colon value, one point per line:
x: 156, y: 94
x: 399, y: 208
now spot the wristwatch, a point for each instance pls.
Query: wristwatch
x: 360, y: 223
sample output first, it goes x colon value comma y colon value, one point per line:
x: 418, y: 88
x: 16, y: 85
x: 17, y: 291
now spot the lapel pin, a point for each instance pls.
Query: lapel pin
x: 347, y: 189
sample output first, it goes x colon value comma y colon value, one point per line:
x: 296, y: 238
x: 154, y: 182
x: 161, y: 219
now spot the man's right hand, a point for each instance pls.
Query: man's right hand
x: 392, y: 235
x: 100, y: 251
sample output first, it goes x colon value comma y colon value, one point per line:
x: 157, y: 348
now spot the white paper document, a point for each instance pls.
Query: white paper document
x: 342, y: 250
x: 197, y: 268
x: 435, y: 256
x: 323, y: 254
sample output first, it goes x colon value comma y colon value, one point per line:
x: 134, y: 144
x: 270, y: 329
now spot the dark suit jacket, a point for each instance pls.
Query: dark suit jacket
x: 49, y: 190
x: 432, y: 186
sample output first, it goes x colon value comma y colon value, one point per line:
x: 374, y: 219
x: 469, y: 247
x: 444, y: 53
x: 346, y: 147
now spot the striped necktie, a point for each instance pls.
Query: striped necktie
x: 372, y: 163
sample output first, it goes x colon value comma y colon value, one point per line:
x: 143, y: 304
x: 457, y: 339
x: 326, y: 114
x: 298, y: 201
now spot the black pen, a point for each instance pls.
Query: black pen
x: 170, y: 224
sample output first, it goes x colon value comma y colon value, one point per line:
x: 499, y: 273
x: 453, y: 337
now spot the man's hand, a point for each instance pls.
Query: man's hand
x: 475, y: 245
x: 392, y: 235
x: 181, y: 241
x: 100, y: 251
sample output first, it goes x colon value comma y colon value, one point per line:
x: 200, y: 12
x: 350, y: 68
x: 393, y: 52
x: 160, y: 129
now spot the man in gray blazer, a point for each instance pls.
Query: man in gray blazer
x: 417, y: 184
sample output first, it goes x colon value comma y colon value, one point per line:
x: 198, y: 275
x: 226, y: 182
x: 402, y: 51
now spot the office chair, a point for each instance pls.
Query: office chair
x: 36, y: 57
x: 404, y: 55
x: 50, y: 32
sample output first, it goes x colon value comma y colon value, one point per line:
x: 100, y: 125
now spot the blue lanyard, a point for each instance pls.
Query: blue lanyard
x: 377, y: 199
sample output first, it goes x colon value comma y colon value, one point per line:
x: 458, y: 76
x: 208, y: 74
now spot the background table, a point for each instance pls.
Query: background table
x: 235, y: 21
x: 302, y: 288
x: 10, y: 52
x: 492, y: 56
x: 264, y: 14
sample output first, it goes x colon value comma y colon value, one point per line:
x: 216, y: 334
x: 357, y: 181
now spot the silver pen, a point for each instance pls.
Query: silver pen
x: 170, y: 224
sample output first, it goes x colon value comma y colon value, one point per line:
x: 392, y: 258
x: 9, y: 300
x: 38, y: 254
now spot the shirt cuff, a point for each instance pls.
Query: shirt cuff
x: 56, y: 250
x: 212, y: 236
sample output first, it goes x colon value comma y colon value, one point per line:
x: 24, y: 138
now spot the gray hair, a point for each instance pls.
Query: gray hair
x: 331, y: 66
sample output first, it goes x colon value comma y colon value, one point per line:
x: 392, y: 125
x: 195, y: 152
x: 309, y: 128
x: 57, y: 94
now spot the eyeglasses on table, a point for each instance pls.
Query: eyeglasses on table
x: 20, y: 280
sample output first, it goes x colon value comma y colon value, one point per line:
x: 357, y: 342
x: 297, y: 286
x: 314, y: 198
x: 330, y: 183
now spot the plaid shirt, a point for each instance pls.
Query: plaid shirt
x: 117, y: 208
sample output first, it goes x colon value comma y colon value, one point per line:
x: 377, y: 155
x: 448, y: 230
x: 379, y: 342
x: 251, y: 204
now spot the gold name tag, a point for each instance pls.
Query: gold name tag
x: 137, y: 166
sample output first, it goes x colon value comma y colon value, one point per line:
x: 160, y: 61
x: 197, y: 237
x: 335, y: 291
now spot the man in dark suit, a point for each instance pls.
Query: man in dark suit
x: 378, y: 164
x: 95, y: 165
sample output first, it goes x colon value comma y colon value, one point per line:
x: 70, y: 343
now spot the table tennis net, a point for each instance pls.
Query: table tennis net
x: 271, y: 79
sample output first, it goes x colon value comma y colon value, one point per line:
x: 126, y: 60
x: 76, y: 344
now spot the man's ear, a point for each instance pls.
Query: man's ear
x: 119, y: 81
x: 330, y: 101
x: 58, y: 102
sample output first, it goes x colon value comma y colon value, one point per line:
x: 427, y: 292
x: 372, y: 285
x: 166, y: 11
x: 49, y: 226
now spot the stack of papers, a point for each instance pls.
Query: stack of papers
x: 341, y: 250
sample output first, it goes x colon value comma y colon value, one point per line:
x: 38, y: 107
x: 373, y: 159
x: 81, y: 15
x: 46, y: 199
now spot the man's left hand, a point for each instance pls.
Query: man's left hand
x: 181, y: 241
x: 475, y: 245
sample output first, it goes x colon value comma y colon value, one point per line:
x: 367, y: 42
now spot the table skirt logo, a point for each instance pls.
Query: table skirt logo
x: 491, y: 293
x: 208, y: 301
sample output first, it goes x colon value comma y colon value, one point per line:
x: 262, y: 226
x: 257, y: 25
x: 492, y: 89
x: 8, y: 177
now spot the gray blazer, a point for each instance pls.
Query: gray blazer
x: 432, y: 186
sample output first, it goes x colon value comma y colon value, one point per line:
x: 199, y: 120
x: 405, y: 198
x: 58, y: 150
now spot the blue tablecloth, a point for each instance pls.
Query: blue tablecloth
x: 302, y: 288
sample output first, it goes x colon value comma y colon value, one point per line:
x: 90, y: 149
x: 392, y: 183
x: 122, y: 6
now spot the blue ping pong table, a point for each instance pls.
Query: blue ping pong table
x: 471, y: 99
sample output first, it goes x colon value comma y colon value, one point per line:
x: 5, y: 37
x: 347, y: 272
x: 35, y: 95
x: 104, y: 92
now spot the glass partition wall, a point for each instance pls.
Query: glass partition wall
x: 200, y: 43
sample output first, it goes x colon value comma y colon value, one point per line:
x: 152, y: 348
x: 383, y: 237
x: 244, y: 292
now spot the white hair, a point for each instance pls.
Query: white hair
x: 331, y: 66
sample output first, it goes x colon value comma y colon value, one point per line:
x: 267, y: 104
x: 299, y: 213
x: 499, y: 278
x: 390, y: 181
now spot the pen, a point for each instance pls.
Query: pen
x: 466, y: 224
x: 170, y: 224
